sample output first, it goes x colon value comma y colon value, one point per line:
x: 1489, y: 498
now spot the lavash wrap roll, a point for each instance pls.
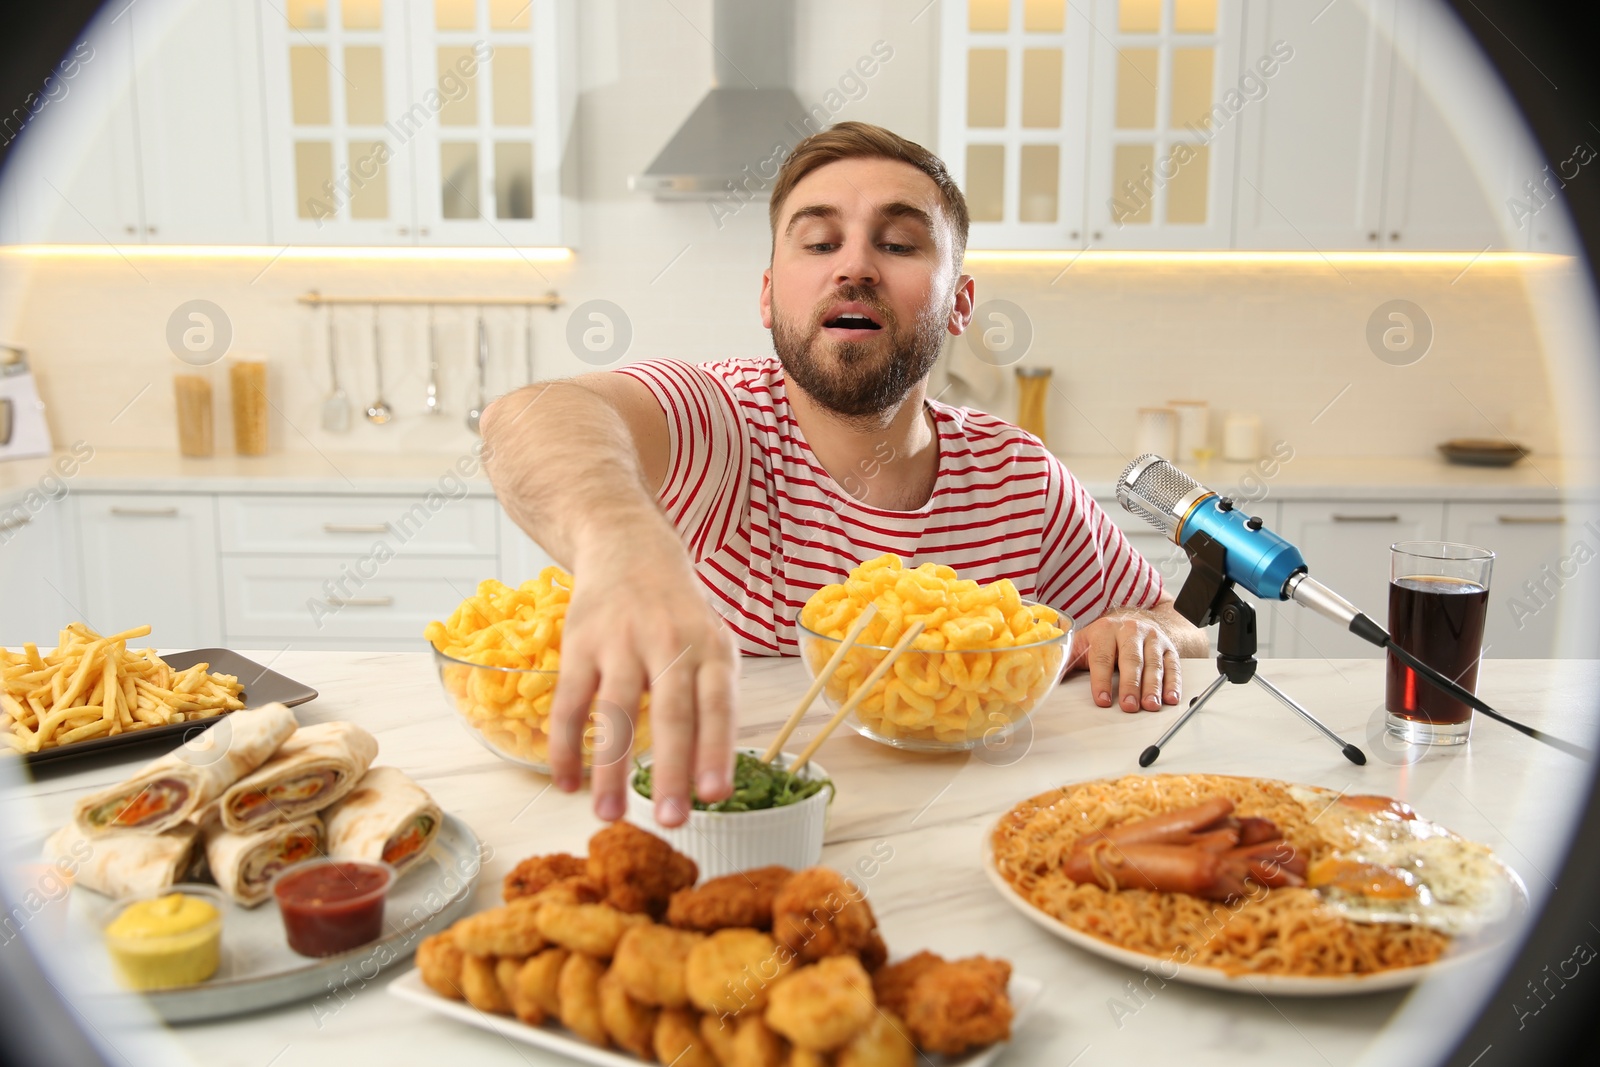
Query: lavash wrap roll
x: 202, y: 768
x: 341, y: 749
x: 383, y: 807
x: 124, y: 863
x: 243, y: 865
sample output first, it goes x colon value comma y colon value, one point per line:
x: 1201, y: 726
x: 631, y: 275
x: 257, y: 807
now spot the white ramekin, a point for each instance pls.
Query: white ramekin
x: 725, y: 842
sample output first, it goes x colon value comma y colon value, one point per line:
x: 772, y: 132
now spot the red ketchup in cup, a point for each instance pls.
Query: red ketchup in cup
x: 332, y: 906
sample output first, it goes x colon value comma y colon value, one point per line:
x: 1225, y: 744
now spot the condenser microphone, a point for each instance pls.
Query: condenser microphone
x: 1257, y: 559
x: 1268, y: 566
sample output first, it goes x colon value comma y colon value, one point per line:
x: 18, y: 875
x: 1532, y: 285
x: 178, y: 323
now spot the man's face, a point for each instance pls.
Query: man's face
x: 863, y: 284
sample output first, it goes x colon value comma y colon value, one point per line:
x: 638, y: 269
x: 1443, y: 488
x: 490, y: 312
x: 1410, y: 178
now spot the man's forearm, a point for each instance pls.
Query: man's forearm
x: 566, y: 470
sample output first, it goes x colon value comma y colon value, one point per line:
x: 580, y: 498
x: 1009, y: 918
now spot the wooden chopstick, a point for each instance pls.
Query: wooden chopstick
x: 860, y: 694
x: 822, y: 679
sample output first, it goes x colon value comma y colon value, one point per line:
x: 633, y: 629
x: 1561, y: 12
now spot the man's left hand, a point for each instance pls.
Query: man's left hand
x: 1134, y: 645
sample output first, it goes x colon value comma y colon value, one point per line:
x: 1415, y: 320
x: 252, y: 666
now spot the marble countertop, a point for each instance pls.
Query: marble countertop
x: 1300, y: 478
x: 929, y: 814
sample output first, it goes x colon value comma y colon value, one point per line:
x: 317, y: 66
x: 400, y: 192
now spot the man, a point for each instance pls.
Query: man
x: 699, y: 506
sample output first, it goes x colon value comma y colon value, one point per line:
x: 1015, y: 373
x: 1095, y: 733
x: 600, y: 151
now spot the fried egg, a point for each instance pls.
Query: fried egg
x: 1388, y: 865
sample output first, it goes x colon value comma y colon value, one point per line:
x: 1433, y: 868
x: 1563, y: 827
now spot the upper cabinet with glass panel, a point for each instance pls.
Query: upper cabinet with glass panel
x: 1083, y: 125
x: 436, y: 122
x: 1184, y: 124
x: 1162, y: 123
x: 1013, y: 121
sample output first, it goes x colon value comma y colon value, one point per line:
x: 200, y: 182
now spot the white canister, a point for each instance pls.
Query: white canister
x: 1241, y: 438
x: 1157, y: 432
x: 1194, y: 429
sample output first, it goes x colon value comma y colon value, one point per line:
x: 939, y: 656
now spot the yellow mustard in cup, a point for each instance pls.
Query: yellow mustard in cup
x: 166, y: 941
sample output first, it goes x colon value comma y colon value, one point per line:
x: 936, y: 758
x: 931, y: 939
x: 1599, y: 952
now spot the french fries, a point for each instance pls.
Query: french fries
x: 93, y: 686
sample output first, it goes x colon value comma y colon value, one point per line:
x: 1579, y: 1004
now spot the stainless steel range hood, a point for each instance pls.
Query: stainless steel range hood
x: 750, y: 113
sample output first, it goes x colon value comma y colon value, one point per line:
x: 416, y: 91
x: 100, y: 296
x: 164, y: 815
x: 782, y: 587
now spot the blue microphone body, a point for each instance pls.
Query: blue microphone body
x: 1258, y: 559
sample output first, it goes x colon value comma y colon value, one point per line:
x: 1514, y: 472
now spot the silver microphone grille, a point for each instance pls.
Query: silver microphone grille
x: 1155, y: 490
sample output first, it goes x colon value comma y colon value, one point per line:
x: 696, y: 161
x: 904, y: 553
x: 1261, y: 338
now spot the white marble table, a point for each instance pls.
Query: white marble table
x: 929, y: 814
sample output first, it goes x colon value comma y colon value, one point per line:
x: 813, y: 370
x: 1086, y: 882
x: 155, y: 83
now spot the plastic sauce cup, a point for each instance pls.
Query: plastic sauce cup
x: 331, y: 906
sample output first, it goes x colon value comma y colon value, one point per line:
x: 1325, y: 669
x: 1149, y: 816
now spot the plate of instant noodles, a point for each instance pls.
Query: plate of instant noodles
x: 1252, y: 884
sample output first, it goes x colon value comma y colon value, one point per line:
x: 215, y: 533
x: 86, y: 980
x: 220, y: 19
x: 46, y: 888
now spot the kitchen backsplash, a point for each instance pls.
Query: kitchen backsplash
x: 1285, y: 341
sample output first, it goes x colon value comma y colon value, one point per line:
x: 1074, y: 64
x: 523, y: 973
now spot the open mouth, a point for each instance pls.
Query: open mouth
x: 852, y: 317
x: 851, y: 322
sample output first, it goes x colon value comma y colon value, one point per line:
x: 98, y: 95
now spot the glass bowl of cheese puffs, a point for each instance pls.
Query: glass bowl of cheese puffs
x: 983, y: 662
x: 498, y: 657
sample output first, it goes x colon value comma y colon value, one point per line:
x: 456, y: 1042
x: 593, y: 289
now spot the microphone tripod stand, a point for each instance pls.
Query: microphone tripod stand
x: 1208, y: 597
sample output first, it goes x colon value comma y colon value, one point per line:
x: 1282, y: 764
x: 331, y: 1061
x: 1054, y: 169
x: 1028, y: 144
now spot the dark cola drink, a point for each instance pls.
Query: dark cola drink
x: 1440, y: 621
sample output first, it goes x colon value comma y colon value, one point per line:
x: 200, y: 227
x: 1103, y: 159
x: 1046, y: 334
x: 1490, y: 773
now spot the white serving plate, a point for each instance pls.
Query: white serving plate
x: 258, y: 968
x: 1214, y: 978
x: 409, y: 986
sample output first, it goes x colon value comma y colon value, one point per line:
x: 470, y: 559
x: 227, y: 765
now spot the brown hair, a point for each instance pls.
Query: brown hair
x: 862, y: 140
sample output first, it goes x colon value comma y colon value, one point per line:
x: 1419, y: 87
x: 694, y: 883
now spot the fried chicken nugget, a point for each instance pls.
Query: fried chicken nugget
x: 505, y: 972
x: 677, y: 1040
x: 652, y: 961
x: 537, y: 981
x: 578, y: 989
x: 439, y: 960
x: 632, y: 1025
x: 732, y: 971
x: 740, y: 899
x: 538, y: 872
x: 509, y: 930
x: 637, y: 870
x: 744, y: 1041
x: 481, y: 986
x: 804, y: 1057
x: 884, y: 1043
x: 824, y: 1006
x: 593, y: 929
x: 959, y: 1005
x: 575, y: 890
x: 892, y: 984
x: 717, y: 1032
x: 820, y: 913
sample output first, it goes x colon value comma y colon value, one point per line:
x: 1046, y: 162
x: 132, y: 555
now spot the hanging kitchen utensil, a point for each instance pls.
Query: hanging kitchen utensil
x: 379, y: 412
x: 527, y: 348
x: 432, y: 403
x: 335, y: 409
x: 476, y: 413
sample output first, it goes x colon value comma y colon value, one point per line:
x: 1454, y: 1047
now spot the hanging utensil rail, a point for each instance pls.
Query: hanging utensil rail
x: 551, y: 300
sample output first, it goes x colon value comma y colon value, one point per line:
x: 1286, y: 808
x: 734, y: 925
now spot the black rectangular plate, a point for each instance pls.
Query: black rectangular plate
x: 261, y: 686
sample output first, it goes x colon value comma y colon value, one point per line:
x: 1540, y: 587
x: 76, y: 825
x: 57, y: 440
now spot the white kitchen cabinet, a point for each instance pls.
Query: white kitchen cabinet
x: 1311, y: 146
x: 520, y: 557
x: 1535, y: 567
x: 39, y: 592
x: 1085, y: 125
x: 1434, y: 197
x: 1346, y: 547
x: 157, y: 138
x: 376, y: 605
x: 151, y: 558
x: 409, y: 122
x: 197, y: 88
x: 354, y: 526
x: 1013, y: 119
x: 73, y: 177
x: 1347, y: 148
x: 1162, y: 128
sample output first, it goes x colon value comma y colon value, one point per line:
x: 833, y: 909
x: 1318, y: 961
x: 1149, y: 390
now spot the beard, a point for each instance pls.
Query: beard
x: 861, y: 378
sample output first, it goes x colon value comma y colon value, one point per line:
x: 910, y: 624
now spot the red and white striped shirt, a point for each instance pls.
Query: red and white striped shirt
x: 767, y: 526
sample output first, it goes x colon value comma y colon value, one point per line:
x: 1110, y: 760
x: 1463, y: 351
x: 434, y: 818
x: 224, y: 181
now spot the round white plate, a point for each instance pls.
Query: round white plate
x: 1213, y: 978
x: 259, y: 969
